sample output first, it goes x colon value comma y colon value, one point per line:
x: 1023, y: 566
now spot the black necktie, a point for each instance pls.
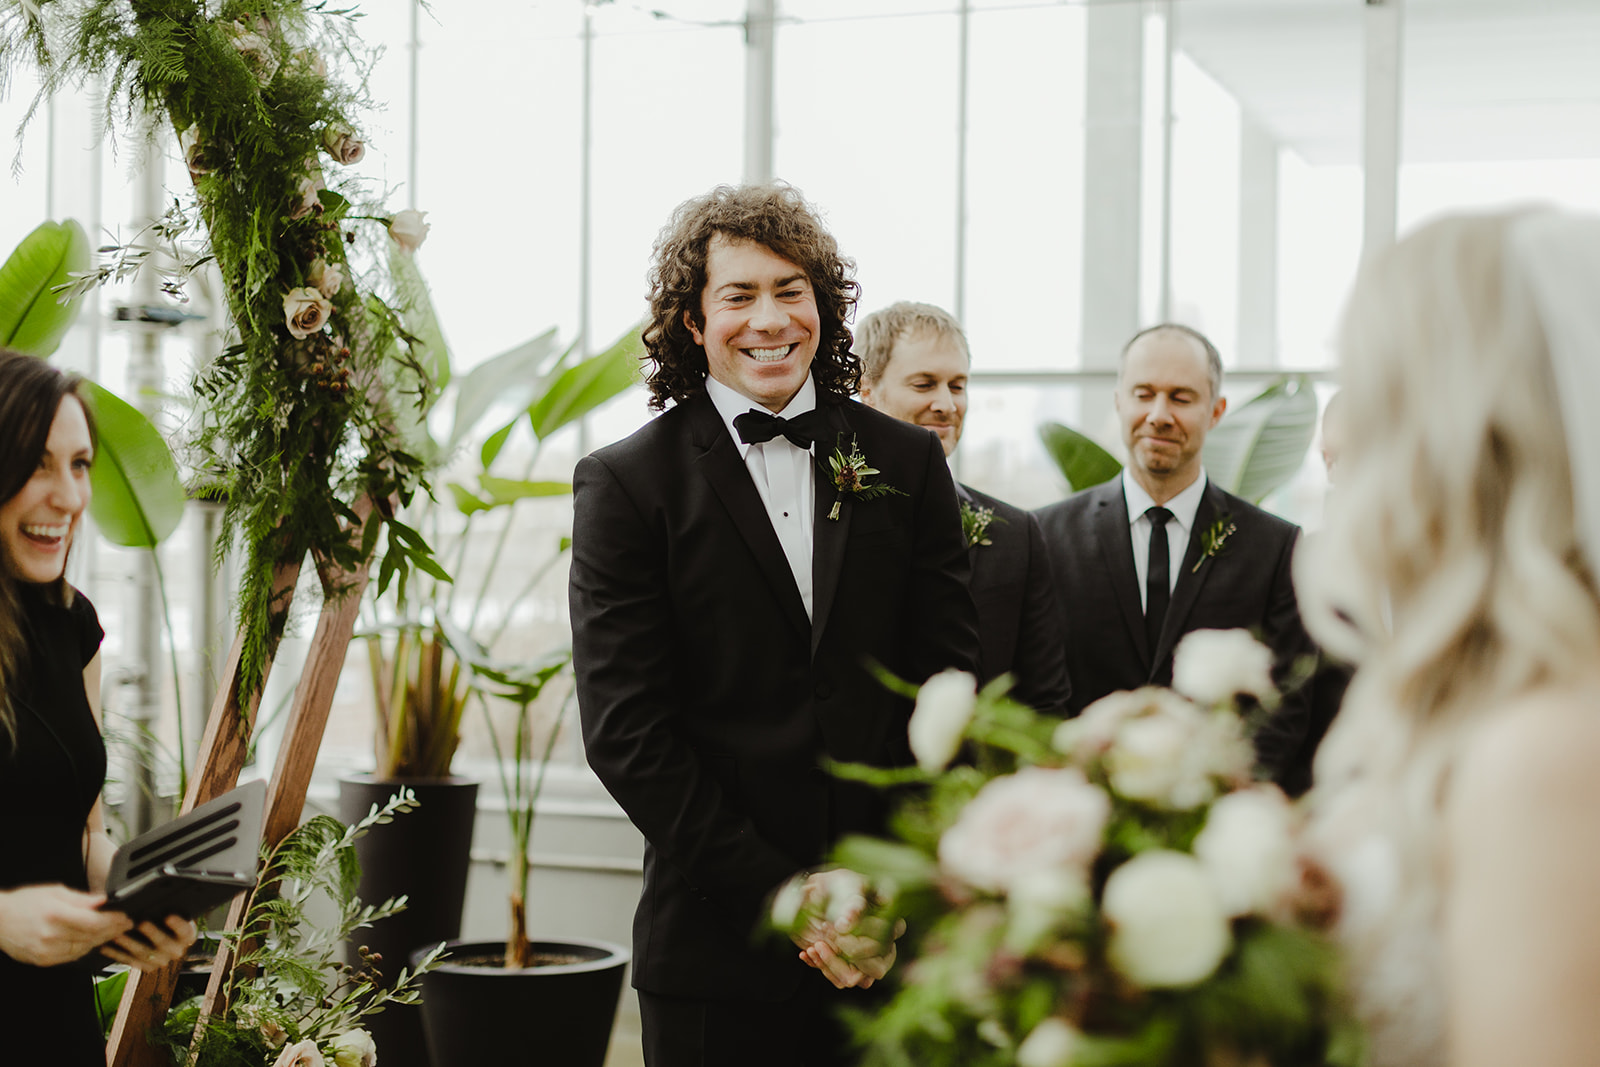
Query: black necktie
x: 1158, y: 577
x: 757, y: 426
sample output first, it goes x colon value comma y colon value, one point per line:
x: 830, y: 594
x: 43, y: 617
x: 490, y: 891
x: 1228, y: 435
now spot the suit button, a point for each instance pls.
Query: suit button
x: 824, y: 691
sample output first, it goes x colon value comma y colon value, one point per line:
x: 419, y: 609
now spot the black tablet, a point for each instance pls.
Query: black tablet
x: 193, y: 863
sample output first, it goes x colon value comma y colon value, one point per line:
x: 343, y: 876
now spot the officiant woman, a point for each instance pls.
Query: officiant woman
x: 54, y: 852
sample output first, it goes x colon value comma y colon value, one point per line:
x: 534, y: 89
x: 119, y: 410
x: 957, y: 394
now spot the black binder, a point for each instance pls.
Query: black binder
x: 193, y: 863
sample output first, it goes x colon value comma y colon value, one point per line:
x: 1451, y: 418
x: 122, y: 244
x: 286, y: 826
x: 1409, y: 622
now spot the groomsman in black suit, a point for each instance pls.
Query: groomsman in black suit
x: 1160, y: 551
x: 730, y: 591
x: 914, y: 366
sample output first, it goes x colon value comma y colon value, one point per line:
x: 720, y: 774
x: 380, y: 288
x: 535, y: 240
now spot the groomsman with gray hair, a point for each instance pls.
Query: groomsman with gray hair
x: 1161, y: 551
x: 914, y: 366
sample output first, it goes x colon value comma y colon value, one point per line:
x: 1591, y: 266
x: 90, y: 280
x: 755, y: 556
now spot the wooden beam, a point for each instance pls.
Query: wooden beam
x: 308, y: 719
x: 222, y: 755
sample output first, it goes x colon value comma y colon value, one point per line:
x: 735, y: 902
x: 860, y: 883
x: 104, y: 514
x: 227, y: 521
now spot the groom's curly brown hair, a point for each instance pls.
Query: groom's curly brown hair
x: 777, y: 217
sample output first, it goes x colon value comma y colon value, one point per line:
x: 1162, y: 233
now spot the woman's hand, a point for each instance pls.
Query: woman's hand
x: 46, y: 925
x: 160, y: 945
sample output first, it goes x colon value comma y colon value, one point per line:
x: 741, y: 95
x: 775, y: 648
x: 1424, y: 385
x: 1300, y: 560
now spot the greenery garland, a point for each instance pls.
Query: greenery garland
x: 304, y: 413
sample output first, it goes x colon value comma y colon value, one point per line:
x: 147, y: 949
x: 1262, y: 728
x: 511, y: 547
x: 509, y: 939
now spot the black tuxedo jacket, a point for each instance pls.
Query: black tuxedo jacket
x: 1019, y: 622
x: 709, y: 701
x: 1246, y: 584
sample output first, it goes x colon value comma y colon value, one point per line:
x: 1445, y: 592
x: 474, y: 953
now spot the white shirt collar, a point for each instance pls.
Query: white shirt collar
x: 731, y: 403
x: 1183, y: 506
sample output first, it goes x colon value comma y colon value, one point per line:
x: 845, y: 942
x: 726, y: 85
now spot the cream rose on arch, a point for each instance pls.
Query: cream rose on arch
x: 306, y: 311
x: 1038, y: 819
x: 408, y: 229
x: 343, y: 145
x: 326, y: 277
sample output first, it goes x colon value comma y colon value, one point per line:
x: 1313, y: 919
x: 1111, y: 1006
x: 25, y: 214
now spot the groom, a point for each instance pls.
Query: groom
x: 731, y: 590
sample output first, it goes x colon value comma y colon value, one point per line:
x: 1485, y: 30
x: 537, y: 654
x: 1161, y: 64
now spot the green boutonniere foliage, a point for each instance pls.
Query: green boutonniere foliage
x: 850, y: 471
x: 1213, y: 540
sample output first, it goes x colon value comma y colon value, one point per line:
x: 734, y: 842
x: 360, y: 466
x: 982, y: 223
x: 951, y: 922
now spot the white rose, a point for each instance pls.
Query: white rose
x: 326, y: 277
x: 1052, y: 1043
x: 1159, y: 757
x: 306, y: 199
x: 354, y: 1048
x: 788, y: 902
x: 1092, y: 732
x: 1038, y: 902
x: 944, y: 707
x: 254, y: 49
x: 301, y: 1054
x: 1168, y: 928
x: 343, y: 145
x: 194, y: 152
x: 1248, y: 850
x: 408, y: 229
x: 306, y: 311
x: 1211, y: 666
x: 1035, y: 820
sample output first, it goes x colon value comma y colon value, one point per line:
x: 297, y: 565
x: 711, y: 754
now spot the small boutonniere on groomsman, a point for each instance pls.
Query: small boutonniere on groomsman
x: 1214, y: 539
x: 975, y: 523
x: 850, y: 471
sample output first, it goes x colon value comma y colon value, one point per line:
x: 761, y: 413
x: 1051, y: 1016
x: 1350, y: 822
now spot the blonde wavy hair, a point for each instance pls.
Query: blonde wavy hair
x: 1449, y: 568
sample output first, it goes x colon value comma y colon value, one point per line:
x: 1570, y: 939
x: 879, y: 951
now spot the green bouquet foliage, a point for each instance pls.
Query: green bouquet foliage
x: 1112, y: 890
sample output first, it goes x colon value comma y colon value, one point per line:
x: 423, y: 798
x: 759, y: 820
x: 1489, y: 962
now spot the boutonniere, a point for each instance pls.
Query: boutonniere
x: 975, y: 523
x: 850, y: 473
x: 1213, y: 540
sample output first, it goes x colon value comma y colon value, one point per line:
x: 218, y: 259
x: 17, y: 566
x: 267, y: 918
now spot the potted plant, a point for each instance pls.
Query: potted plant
x: 481, y: 1005
x: 421, y: 687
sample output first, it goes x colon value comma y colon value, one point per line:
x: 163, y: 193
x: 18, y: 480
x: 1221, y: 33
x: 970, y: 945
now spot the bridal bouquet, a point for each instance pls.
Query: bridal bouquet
x: 1113, y: 889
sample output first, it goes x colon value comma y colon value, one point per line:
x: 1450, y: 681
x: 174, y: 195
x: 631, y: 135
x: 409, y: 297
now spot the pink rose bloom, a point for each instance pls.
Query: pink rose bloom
x: 1039, y: 819
x: 343, y: 145
x: 306, y: 311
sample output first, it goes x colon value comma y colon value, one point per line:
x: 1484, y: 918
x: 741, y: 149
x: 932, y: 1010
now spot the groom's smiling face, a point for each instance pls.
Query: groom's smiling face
x: 758, y: 321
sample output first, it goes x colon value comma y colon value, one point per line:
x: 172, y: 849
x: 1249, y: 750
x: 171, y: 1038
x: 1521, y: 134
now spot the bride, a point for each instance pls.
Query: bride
x: 1458, y: 795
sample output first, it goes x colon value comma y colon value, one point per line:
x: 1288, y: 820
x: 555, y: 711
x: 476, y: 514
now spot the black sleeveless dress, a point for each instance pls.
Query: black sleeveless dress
x: 48, y: 783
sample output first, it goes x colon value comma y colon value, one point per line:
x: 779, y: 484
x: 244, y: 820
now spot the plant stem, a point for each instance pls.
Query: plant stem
x: 500, y: 543
x: 177, y: 679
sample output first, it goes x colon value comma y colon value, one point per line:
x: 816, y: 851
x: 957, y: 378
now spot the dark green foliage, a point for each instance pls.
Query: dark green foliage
x: 291, y: 431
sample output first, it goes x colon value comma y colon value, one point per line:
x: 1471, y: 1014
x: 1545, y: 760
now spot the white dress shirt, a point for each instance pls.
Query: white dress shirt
x: 1183, y: 508
x: 783, y: 474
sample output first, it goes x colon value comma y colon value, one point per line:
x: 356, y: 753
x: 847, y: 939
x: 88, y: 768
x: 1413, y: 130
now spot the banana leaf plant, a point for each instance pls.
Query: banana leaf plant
x: 1254, y: 451
x: 138, y: 497
x: 417, y: 656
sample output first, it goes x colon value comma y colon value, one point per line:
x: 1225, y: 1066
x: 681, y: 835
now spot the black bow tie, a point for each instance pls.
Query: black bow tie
x: 757, y: 426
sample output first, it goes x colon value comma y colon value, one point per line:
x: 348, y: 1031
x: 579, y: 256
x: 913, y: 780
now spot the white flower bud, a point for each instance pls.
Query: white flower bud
x: 944, y: 708
x: 1168, y: 927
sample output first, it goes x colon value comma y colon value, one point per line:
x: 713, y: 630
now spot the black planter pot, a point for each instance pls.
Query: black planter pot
x: 557, y: 1015
x: 424, y: 856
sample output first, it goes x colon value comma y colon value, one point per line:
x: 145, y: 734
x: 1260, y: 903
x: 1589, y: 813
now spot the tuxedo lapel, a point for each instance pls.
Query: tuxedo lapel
x: 1192, y: 578
x: 1114, y: 541
x: 719, y: 462
x: 828, y: 535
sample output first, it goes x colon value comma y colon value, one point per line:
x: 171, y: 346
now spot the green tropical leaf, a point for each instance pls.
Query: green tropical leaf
x: 466, y: 500
x: 32, y: 320
x: 584, y: 386
x: 510, y: 490
x: 138, y: 498
x: 421, y: 321
x: 1261, y: 445
x: 512, y: 375
x: 1083, y: 463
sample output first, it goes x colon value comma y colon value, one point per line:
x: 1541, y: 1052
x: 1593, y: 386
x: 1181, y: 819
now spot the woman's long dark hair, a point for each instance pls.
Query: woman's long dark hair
x: 778, y: 218
x: 31, y: 392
